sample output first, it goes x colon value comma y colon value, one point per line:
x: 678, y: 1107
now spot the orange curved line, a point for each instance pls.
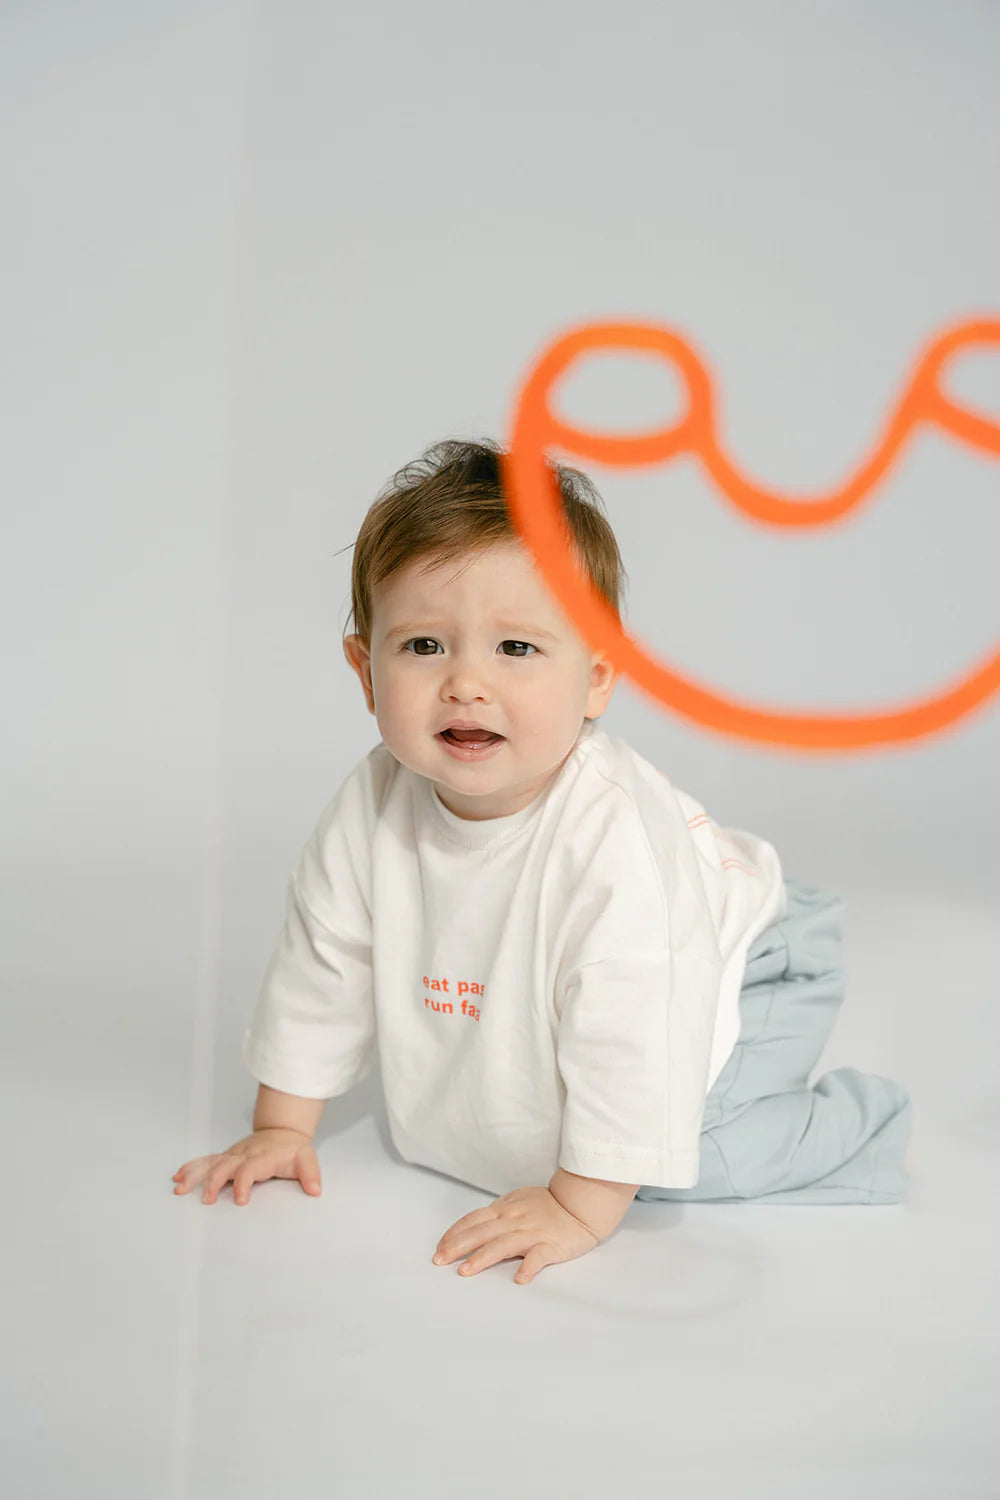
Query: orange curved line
x: 537, y: 514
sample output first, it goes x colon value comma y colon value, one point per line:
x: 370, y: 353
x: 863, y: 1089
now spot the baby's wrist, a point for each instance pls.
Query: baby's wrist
x: 597, y: 1204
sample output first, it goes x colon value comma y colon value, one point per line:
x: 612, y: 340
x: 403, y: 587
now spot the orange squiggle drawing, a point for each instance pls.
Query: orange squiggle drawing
x: 537, y: 514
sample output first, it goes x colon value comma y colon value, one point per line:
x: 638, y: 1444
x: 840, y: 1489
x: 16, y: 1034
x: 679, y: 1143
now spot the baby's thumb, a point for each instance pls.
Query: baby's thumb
x: 309, y: 1173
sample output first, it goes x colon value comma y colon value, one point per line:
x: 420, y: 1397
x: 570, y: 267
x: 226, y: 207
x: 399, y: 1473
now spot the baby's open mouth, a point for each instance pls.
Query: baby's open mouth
x: 468, y: 736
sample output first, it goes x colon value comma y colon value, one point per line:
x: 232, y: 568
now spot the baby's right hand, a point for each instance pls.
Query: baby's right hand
x: 275, y: 1152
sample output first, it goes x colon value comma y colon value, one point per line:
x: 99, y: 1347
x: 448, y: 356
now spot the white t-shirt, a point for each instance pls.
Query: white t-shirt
x: 555, y: 988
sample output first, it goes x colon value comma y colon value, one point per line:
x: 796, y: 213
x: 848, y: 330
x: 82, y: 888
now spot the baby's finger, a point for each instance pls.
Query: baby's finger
x: 191, y: 1173
x: 307, y: 1167
x: 259, y: 1169
x: 219, y: 1175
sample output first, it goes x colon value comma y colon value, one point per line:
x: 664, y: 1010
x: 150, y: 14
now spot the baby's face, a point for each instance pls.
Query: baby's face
x: 479, y: 638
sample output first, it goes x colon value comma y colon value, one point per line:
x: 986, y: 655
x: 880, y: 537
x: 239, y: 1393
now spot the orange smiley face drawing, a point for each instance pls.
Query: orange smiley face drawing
x: 536, y: 511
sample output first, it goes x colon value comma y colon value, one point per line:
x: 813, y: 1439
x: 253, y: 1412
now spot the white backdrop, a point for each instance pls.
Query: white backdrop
x: 256, y: 257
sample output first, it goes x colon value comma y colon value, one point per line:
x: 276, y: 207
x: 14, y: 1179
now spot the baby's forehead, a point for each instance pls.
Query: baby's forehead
x: 489, y: 567
x: 471, y: 591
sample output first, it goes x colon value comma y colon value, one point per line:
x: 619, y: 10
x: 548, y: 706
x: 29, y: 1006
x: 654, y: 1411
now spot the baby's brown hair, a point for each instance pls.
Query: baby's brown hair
x: 450, y: 501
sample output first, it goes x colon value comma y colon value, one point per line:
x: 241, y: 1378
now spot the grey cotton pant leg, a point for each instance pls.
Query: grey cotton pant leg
x: 766, y: 1135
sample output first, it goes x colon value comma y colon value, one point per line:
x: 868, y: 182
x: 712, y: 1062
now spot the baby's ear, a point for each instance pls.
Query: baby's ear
x: 354, y: 650
x: 358, y: 657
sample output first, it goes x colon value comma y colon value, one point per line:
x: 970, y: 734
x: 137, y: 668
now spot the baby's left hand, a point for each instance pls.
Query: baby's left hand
x: 526, y: 1222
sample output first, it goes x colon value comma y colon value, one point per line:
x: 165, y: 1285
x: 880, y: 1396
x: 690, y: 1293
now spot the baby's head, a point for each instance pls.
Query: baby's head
x: 487, y: 642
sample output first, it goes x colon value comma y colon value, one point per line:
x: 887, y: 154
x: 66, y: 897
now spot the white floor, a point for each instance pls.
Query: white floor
x: 308, y: 1348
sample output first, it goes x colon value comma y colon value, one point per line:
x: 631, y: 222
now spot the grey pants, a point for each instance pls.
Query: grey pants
x: 768, y: 1136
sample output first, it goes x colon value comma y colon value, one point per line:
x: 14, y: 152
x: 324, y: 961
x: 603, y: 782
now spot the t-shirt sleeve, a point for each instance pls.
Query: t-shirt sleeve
x: 633, y: 1049
x: 636, y: 1021
x: 313, y: 1029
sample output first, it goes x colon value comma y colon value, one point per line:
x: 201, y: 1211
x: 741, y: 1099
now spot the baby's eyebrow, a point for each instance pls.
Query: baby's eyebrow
x: 525, y: 630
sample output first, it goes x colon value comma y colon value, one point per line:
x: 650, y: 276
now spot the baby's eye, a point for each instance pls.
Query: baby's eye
x: 420, y: 639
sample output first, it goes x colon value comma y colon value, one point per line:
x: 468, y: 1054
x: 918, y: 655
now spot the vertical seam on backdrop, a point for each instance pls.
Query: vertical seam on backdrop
x: 208, y: 974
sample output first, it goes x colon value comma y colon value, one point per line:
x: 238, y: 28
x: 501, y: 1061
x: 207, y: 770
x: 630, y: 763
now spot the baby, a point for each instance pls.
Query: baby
x: 581, y: 988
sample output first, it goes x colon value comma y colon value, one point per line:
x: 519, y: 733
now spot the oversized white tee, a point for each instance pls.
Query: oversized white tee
x: 554, y: 988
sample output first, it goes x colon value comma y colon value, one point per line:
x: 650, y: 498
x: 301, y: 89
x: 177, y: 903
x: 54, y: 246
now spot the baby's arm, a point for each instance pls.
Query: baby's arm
x: 277, y: 1111
x: 599, y: 1205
